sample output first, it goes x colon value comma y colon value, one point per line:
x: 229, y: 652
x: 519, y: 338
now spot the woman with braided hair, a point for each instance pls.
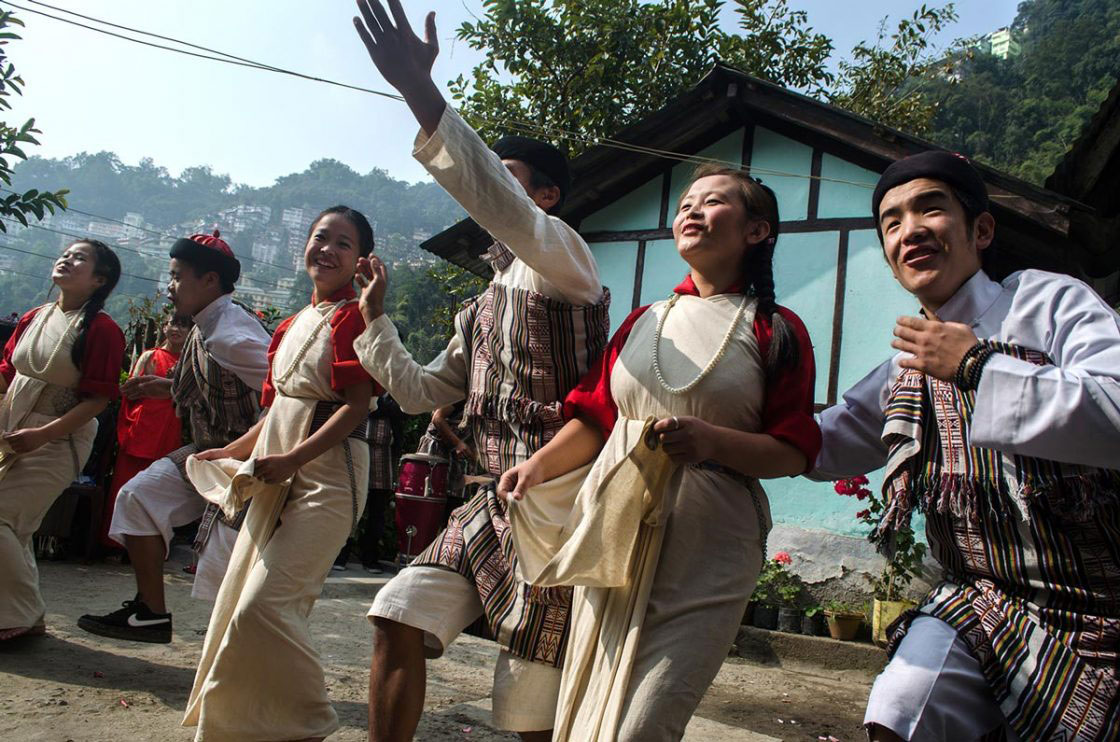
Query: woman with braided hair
x: 726, y: 376
x: 59, y: 370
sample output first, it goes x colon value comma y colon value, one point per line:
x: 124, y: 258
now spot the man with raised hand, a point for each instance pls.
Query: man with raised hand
x: 518, y: 348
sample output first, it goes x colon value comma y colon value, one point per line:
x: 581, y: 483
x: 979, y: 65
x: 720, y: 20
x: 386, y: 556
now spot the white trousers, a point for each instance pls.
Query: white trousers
x: 933, y: 690
x: 158, y: 500
x: 442, y: 603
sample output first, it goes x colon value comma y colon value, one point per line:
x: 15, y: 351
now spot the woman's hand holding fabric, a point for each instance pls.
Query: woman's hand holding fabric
x: 275, y: 469
x: 515, y: 483
x: 26, y: 440
x: 687, y: 440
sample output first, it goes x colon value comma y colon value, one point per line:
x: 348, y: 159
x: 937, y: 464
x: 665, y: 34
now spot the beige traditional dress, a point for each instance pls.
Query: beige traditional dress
x: 259, y: 677
x: 664, y: 557
x: 45, y: 387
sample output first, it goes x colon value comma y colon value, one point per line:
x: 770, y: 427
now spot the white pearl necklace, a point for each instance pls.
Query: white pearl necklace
x: 711, y: 364
x: 308, y: 342
x: 61, y: 340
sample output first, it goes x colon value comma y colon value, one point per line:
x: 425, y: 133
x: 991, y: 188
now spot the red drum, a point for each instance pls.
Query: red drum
x: 421, y: 502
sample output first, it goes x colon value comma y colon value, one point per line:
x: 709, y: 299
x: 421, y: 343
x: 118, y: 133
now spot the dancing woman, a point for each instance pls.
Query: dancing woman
x: 306, y: 467
x: 729, y: 376
x: 60, y: 369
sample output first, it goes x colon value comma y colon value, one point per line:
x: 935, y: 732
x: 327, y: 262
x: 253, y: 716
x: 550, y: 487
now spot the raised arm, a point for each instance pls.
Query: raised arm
x: 416, y: 388
x: 465, y: 167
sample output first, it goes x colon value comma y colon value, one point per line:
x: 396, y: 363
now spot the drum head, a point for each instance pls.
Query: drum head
x: 425, y: 458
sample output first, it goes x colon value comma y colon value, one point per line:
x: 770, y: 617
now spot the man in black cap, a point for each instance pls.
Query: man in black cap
x: 215, y: 386
x: 999, y: 419
x: 519, y: 347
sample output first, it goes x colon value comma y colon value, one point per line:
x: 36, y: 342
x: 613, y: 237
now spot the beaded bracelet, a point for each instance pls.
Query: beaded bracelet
x: 972, y: 366
x: 960, y: 377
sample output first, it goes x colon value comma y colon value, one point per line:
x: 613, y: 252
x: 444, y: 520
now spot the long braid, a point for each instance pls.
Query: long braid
x: 108, y: 266
x: 759, y: 266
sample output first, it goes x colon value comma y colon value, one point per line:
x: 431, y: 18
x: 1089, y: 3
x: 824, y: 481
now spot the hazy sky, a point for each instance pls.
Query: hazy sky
x: 90, y: 92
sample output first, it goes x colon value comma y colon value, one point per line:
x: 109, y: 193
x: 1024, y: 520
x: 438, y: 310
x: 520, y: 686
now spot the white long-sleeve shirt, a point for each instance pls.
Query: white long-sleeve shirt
x: 551, y: 259
x: 235, y: 339
x: 1068, y: 412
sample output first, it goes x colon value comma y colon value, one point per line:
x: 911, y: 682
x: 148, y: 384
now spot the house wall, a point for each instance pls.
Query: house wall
x: 828, y: 268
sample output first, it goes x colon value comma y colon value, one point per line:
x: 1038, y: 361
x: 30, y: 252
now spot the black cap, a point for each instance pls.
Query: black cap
x: 948, y: 167
x: 541, y: 155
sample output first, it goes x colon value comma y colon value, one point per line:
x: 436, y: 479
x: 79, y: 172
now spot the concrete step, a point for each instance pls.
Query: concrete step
x: 797, y: 651
x: 699, y: 729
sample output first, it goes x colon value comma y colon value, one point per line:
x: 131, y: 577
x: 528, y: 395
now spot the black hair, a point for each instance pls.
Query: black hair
x: 201, y: 267
x: 758, y: 264
x: 108, y: 266
x: 357, y: 219
x: 180, y: 319
x: 537, y: 180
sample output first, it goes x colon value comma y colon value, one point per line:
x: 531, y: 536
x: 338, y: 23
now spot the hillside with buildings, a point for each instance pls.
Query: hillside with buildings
x: 141, y: 210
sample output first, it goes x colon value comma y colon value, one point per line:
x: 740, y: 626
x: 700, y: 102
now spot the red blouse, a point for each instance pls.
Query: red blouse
x: 148, y: 428
x: 787, y: 412
x: 102, y: 358
x: 346, y: 325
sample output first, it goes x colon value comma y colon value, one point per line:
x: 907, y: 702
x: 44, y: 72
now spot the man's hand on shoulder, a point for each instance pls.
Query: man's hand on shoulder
x: 936, y: 347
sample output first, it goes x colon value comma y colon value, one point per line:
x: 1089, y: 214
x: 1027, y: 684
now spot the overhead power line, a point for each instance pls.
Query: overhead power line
x: 524, y: 126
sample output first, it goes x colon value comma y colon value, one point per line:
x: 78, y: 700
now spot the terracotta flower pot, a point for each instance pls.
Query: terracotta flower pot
x: 789, y: 620
x: 766, y: 617
x: 883, y: 614
x: 843, y: 626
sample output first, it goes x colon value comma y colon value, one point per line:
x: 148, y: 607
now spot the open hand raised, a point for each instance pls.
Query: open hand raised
x: 373, y: 277
x: 402, y: 59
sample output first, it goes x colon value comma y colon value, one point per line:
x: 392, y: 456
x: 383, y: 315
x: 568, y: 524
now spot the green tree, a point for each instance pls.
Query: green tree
x: 593, y: 66
x: 1023, y: 113
x: 14, y: 137
x: 890, y: 81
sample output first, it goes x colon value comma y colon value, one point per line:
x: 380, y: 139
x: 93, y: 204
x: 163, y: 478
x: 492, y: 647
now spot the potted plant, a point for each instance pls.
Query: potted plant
x: 843, y: 620
x: 812, y: 621
x: 787, y: 590
x: 767, y: 594
x: 905, y: 559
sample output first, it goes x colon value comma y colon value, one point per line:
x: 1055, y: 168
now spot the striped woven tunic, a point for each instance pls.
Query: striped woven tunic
x: 1019, y: 485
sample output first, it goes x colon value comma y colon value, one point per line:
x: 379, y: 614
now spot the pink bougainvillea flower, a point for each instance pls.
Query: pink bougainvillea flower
x: 862, y: 494
x: 783, y: 557
x: 842, y: 487
x: 863, y: 514
x: 859, y: 480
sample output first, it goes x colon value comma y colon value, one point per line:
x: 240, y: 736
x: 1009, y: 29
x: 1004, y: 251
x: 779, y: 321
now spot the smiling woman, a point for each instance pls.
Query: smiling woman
x: 60, y: 369
x: 302, y: 467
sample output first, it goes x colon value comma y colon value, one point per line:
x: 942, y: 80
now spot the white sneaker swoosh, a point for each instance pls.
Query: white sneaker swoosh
x: 137, y: 623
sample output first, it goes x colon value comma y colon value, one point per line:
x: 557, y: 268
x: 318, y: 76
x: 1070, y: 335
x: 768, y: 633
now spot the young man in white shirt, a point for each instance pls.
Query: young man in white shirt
x: 999, y: 419
x: 216, y: 388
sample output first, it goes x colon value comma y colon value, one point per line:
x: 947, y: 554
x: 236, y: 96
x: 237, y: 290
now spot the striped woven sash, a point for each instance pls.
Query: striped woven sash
x: 932, y: 467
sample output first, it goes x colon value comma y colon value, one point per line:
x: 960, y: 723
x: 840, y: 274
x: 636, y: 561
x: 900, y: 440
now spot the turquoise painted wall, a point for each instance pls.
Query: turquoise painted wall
x: 805, y: 273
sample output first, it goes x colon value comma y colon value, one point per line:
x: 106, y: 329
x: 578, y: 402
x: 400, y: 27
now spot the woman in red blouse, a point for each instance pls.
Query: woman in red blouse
x: 60, y: 369
x: 147, y: 426
x: 729, y: 376
x: 305, y: 466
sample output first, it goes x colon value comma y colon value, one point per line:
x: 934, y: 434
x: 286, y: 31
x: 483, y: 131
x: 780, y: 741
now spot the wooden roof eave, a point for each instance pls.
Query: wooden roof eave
x: 727, y: 98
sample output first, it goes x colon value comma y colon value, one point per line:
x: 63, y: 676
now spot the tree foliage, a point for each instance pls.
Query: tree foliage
x: 1022, y: 114
x: 890, y: 81
x: 590, y: 67
x: 13, y: 138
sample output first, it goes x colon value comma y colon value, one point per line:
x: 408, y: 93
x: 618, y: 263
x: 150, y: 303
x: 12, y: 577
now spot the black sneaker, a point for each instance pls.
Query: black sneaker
x: 134, y: 622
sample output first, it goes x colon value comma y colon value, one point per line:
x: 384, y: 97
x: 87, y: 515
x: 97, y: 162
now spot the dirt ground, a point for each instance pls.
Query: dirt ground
x: 71, y: 686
